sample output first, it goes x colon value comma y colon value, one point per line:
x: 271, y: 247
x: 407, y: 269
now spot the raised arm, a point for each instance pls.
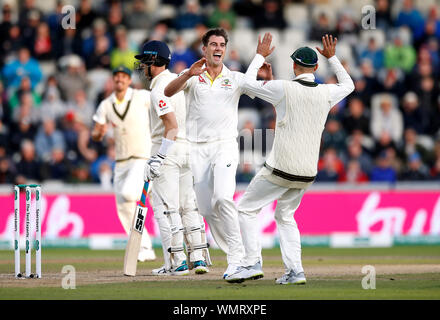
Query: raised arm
x: 345, y: 84
x: 179, y: 83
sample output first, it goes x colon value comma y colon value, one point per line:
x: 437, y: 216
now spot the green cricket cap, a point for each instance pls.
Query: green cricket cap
x: 305, y: 57
x: 123, y: 69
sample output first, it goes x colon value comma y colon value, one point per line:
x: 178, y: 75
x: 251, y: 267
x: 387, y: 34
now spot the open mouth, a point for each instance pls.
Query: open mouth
x: 217, y: 56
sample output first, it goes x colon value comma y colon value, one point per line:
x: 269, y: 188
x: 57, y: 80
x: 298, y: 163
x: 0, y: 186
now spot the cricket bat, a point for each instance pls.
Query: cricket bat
x: 135, y: 237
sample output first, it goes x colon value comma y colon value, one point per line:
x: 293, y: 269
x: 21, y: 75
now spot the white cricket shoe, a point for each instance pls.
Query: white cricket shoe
x: 232, y: 268
x: 246, y: 273
x: 146, y: 255
x: 292, y: 278
x: 162, y: 271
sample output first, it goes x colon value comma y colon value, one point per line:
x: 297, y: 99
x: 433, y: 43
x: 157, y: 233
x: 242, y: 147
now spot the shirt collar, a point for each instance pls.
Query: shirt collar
x: 306, y: 77
x: 127, y: 96
x: 155, y: 79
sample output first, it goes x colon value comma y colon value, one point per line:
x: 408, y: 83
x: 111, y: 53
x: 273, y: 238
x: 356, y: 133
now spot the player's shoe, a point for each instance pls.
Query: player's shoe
x: 181, y: 270
x: 232, y: 268
x: 246, y: 273
x: 200, y: 267
x: 162, y: 271
x: 292, y: 278
x: 146, y: 255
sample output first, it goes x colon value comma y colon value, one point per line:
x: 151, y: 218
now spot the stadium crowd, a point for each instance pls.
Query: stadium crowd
x: 52, y: 79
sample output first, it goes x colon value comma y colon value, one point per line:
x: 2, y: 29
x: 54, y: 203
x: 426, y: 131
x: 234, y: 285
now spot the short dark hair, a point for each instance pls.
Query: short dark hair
x: 214, y: 32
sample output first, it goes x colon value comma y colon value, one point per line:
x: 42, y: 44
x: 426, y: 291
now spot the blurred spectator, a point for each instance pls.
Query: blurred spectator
x: 415, y: 170
x: 234, y: 63
x: 434, y: 126
x: 52, y: 106
x: 356, y: 117
x: 399, y: 55
x: 85, y: 15
x: 70, y: 43
x: 412, y: 146
x: 82, y: 109
x: 42, y: 45
x: 320, y: 27
x: 27, y: 7
x: 99, y: 30
x: 58, y: 167
x: 333, y: 135
x: 223, y: 16
x: 25, y: 88
x: 270, y: 15
x: 10, y: 44
x: 383, y: 15
x: 182, y: 53
x: 81, y: 174
x: 354, y: 173
x: 412, y: 18
x: 122, y: 54
x: 26, y: 111
x: 100, y: 57
x: 245, y: 173
x: 331, y: 168
x: 139, y: 17
x: 102, y: 168
x: 189, y: 17
x: 383, y: 171
x: 355, y: 152
x: 23, y: 66
x: 73, y: 78
x: 373, y: 53
x: 28, y: 167
x: 414, y: 116
x: 7, y: 171
x: 387, y: 119
x: 48, y: 138
x: 29, y: 29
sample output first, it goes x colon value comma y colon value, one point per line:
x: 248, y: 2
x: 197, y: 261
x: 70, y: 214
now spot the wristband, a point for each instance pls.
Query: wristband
x: 166, y: 144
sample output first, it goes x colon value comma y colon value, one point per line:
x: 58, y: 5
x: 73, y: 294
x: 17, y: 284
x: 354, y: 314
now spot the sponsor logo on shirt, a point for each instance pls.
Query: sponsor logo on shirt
x: 226, y: 84
x: 201, y: 80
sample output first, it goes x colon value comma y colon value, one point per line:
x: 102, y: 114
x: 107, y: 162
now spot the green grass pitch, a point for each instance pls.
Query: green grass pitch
x: 410, y: 272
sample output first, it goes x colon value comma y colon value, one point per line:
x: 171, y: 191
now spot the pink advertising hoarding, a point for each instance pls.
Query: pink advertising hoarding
x: 320, y: 213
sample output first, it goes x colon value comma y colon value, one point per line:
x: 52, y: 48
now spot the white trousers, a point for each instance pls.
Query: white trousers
x: 259, y: 194
x: 214, y: 166
x: 128, y: 184
x: 174, y: 204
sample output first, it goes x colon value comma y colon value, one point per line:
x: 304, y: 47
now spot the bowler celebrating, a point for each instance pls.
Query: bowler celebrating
x: 212, y: 92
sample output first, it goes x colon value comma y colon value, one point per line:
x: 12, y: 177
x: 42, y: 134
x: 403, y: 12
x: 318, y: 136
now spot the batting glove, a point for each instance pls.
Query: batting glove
x: 152, y: 167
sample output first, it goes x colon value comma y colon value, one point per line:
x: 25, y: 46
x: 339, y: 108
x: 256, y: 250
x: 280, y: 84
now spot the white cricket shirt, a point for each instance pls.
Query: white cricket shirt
x: 212, y: 104
x: 161, y: 105
x: 130, y: 121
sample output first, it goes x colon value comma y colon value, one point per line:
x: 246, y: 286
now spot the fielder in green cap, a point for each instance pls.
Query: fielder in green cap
x: 123, y: 69
x: 302, y: 107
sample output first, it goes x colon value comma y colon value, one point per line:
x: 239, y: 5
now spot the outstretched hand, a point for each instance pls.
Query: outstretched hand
x: 329, y: 45
x: 265, y: 72
x: 263, y: 46
x: 197, y: 68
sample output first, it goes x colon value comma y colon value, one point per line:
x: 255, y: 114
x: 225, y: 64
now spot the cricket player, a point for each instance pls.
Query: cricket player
x: 212, y: 92
x: 126, y: 110
x: 302, y: 107
x: 173, y: 198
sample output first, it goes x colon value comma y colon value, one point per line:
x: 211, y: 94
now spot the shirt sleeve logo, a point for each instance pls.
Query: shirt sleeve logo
x: 162, y: 104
